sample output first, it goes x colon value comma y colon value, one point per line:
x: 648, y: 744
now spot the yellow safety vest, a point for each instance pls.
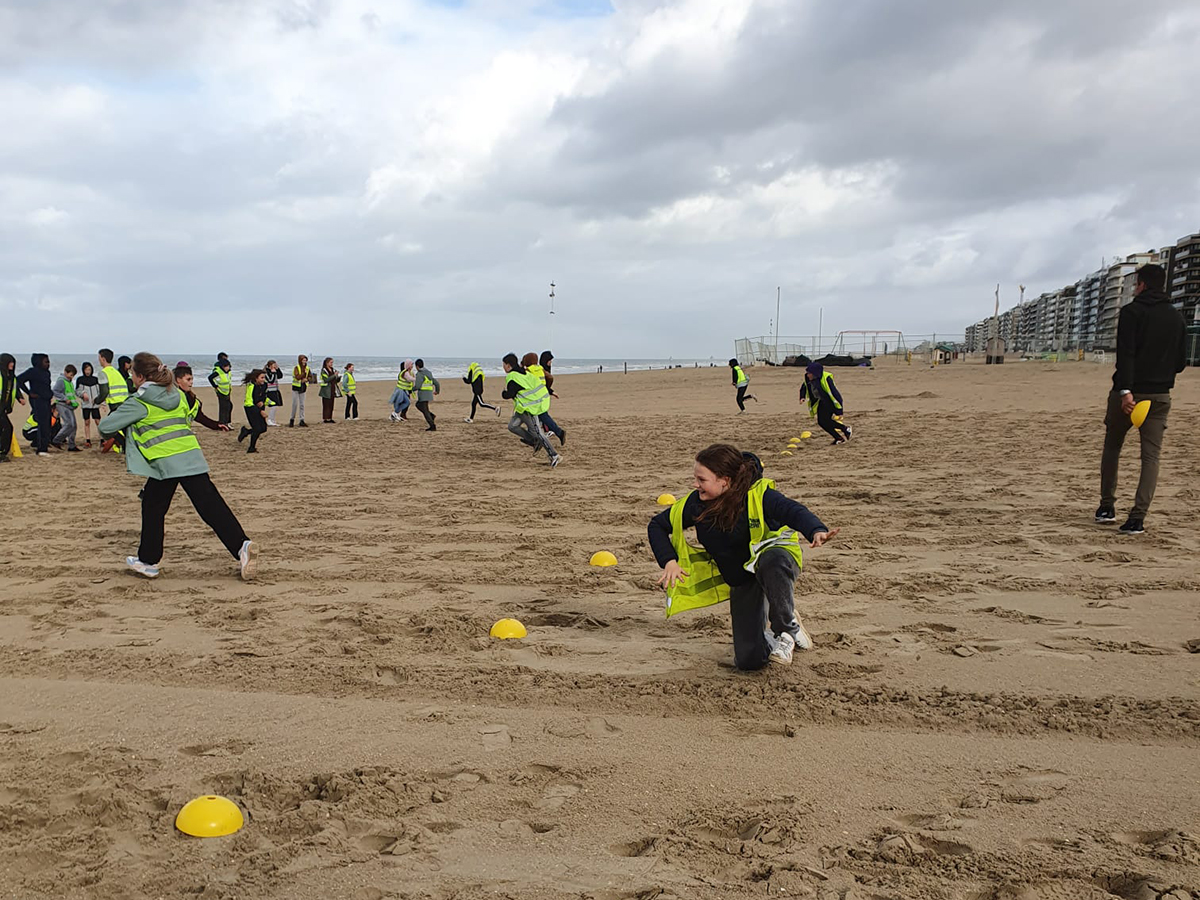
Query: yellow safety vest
x: 813, y: 399
x: 118, y: 390
x: 426, y: 383
x: 224, y: 381
x: 742, y: 380
x: 299, y: 376
x: 404, y: 384
x: 193, y: 409
x: 537, y: 372
x: 165, y: 432
x: 704, y: 585
x: 348, y: 383
x: 250, y: 395
x: 474, y: 371
x: 533, y: 398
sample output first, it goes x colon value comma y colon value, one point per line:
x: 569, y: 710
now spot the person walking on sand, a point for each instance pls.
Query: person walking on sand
x: 1151, y: 338
x: 274, y: 397
x: 350, y: 388
x: 750, y: 533
x: 300, y: 380
x: 66, y: 403
x: 742, y: 383
x: 401, y: 397
x: 529, y: 398
x: 328, y: 390
x: 162, y: 449
x: 426, y: 387
x: 256, y: 408
x: 87, y: 388
x: 9, y: 393
x: 824, y: 402
x: 474, y: 378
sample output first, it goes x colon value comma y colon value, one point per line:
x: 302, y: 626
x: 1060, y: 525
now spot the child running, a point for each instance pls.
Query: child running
x: 87, y: 389
x: 735, y: 511
x: 531, y: 365
x: 474, y: 378
x: 256, y: 408
x: 426, y: 386
x: 824, y: 402
x: 530, y: 398
x: 185, y: 381
x: 742, y: 383
x: 400, y: 399
x: 66, y: 402
x: 162, y: 449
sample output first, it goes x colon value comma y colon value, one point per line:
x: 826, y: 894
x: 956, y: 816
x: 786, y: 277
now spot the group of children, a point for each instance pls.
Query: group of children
x: 824, y: 400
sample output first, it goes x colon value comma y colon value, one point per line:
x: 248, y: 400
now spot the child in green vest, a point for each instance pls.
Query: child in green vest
x: 750, y: 533
x: 824, y: 402
x: 742, y: 383
x: 66, y: 401
x: 255, y: 404
x: 350, y: 389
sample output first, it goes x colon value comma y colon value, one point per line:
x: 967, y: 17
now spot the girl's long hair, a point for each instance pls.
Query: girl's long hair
x: 151, y: 368
x: 727, y: 461
x: 252, y: 376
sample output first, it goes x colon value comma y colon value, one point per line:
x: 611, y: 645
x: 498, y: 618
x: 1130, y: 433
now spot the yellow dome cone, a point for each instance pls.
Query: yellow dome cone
x: 666, y: 499
x: 209, y: 816
x: 603, y: 558
x: 805, y: 435
x: 786, y: 453
x: 1140, y: 411
x: 507, y: 629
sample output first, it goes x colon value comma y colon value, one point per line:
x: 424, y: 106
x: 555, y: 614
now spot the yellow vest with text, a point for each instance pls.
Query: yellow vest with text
x: 348, y: 383
x: 164, y: 432
x: 118, y: 390
x: 742, y: 380
x: 532, y: 398
x: 224, y: 381
x: 704, y: 585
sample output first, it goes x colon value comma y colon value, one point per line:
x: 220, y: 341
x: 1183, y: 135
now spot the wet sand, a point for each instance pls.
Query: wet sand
x: 1001, y: 702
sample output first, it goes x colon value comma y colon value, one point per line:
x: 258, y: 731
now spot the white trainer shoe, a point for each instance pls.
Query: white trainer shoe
x: 468, y: 420
x: 248, y: 560
x: 144, y: 569
x: 782, y: 654
x: 802, y: 638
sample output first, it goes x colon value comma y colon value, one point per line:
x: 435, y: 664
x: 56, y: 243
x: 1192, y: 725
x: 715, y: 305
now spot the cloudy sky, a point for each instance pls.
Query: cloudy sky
x: 371, y: 177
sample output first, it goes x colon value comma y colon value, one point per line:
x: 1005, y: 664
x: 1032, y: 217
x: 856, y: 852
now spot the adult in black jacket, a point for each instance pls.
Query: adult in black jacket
x: 1150, y: 352
x: 9, y: 393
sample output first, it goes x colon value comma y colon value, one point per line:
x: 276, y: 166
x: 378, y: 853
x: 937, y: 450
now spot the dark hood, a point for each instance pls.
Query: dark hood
x: 1152, y: 297
x: 35, y: 360
x: 816, y: 370
x: 7, y: 360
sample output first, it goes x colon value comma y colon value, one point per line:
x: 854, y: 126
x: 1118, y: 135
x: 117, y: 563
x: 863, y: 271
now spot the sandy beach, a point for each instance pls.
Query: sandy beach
x: 1001, y: 703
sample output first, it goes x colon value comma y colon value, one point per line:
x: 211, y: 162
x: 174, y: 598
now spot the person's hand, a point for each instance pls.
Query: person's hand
x: 823, y: 537
x: 263, y: 413
x: 21, y: 400
x: 672, y: 574
x: 1127, y: 404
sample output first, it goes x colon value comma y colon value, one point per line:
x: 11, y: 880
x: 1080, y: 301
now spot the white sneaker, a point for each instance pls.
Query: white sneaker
x: 143, y: 569
x: 43, y: 453
x: 248, y: 560
x: 782, y: 654
x: 468, y: 420
x: 802, y: 638
x: 555, y: 461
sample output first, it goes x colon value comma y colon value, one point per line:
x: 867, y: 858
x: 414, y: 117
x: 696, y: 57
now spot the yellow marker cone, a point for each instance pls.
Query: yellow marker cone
x: 805, y: 435
x: 666, y: 499
x: 209, y: 816
x: 507, y: 629
x: 15, y: 450
x: 786, y: 453
x: 603, y: 558
x: 1140, y: 411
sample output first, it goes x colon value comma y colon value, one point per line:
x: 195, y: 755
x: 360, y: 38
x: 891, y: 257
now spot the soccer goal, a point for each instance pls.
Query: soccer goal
x: 870, y: 343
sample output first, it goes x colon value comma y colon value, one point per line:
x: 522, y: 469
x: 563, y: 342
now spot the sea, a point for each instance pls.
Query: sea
x: 385, y: 368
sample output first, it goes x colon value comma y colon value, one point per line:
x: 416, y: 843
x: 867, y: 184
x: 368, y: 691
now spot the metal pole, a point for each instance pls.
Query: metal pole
x: 551, y: 347
x: 776, y: 326
x: 820, y: 330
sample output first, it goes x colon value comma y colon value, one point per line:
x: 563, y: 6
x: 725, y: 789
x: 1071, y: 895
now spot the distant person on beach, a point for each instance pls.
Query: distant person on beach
x: 530, y: 398
x: 402, y: 396
x: 255, y: 404
x: 734, y: 510
x: 300, y: 380
x: 274, y: 396
x: 222, y: 382
x: 426, y: 387
x: 531, y: 365
x: 35, y: 383
x: 1151, y: 338
x: 474, y: 378
x: 65, y: 402
x: 113, y: 389
x: 162, y: 449
x: 185, y: 381
x: 328, y: 391
x: 87, y: 389
x: 545, y: 361
x: 10, y: 393
x: 742, y: 383
x: 350, y: 388
x: 824, y: 402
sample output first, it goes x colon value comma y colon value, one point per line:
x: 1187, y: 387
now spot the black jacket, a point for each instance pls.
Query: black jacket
x: 35, y: 381
x: 9, y: 392
x: 1150, y: 345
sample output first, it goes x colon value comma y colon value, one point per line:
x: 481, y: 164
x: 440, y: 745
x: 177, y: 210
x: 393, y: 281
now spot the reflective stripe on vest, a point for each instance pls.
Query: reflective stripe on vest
x: 193, y: 410
x: 299, y: 376
x: 224, y: 381
x: 426, y: 383
x: 118, y: 390
x: 69, y: 391
x: 533, y: 398
x: 474, y: 371
x: 704, y: 585
x: 742, y: 380
x: 250, y: 395
x: 164, y: 432
x: 404, y: 384
x: 348, y: 382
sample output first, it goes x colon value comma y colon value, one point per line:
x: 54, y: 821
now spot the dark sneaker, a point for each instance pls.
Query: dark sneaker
x: 1132, y: 526
x: 562, y: 438
x: 1106, y: 515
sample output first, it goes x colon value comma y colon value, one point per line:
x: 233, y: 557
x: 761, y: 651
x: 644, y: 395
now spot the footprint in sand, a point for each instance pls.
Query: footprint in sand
x: 1170, y: 844
x: 556, y: 795
x: 1032, y: 786
x: 905, y: 848
x: 225, y: 748
x: 935, y: 821
x: 495, y: 737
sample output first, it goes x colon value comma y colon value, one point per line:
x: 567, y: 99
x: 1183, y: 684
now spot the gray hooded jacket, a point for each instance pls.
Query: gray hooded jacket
x: 179, y: 466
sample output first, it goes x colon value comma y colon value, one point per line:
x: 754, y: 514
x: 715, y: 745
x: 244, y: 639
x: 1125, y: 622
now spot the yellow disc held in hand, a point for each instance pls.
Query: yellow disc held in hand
x: 666, y: 499
x: 603, y: 558
x: 210, y: 816
x: 1140, y: 411
x: 507, y: 629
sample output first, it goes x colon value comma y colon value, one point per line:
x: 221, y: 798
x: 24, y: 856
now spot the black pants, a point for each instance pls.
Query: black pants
x: 423, y: 406
x: 224, y: 411
x: 327, y: 409
x: 351, y: 404
x: 825, y: 413
x: 41, y: 415
x: 742, y: 397
x: 258, y: 425
x: 477, y: 401
x: 6, y: 434
x: 764, y: 603
x: 211, y: 506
